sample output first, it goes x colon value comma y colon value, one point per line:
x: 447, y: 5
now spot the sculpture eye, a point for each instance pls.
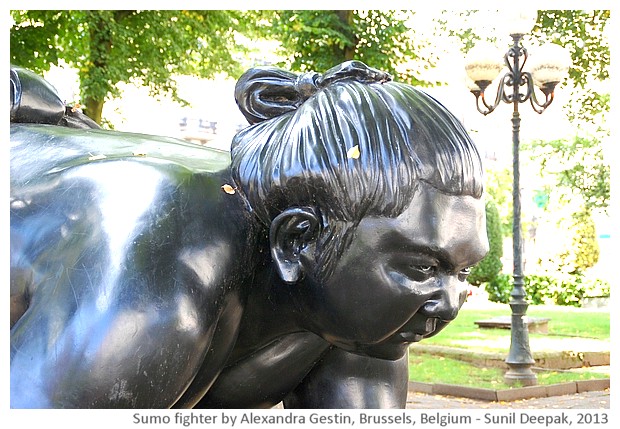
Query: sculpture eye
x: 426, y: 269
x: 464, y: 273
x: 419, y: 268
x: 421, y: 272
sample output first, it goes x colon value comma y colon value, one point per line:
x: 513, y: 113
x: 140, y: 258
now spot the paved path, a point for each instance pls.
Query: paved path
x: 585, y: 400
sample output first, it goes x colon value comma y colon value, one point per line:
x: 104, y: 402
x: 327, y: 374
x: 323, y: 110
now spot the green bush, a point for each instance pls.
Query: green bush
x: 559, y: 290
x: 499, y: 288
x: 596, y: 287
x: 545, y: 289
x: 487, y: 269
x: 585, y: 243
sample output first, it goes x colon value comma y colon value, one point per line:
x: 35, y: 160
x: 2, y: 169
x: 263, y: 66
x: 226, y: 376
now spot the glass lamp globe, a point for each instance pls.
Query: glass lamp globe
x: 519, y: 22
x: 549, y: 65
x: 483, y: 64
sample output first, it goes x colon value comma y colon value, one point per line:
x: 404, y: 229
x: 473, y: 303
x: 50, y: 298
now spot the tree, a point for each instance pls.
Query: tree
x: 578, y: 165
x: 498, y: 186
x: 575, y: 250
x: 319, y: 39
x: 112, y: 46
x: 585, y: 243
x: 577, y: 169
x: 490, y: 267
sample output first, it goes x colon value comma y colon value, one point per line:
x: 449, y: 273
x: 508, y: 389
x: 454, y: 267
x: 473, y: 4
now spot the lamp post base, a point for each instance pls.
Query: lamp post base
x: 521, y: 375
x: 519, y: 360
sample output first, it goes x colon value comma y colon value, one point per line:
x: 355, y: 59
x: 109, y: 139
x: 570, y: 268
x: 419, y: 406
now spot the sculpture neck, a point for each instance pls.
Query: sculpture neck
x: 269, y: 312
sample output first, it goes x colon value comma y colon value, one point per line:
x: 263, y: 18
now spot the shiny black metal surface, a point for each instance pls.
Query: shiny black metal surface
x: 147, y: 272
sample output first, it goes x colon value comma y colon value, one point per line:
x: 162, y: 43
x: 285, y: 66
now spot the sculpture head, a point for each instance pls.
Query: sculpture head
x: 371, y: 191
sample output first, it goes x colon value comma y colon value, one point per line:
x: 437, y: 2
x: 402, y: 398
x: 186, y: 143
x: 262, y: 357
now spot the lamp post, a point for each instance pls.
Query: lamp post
x: 546, y: 69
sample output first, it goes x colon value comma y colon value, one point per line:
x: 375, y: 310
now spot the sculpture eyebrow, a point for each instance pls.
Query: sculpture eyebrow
x: 398, y: 242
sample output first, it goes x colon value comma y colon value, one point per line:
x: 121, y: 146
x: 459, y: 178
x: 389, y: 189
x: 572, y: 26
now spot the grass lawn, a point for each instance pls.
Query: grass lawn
x: 437, y: 369
x: 568, y: 326
x: 569, y: 329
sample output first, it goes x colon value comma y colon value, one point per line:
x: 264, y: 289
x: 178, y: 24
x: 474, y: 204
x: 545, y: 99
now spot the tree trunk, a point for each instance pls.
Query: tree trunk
x: 93, y: 109
x: 346, y: 17
x: 96, y: 74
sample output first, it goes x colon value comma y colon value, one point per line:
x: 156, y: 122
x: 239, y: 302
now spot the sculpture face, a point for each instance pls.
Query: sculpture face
x: 402, y: 279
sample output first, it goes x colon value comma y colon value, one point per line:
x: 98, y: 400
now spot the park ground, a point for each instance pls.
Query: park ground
x: 593, y: 394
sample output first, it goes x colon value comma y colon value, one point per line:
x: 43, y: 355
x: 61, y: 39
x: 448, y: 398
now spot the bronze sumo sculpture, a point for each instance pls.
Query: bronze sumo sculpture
x: 147, y: 272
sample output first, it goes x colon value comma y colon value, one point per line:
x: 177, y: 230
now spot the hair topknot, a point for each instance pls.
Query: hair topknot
x: 263, y: 93
x: 301, y: 156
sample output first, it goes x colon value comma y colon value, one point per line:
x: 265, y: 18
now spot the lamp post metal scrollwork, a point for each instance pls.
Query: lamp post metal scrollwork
x: 518, y: 86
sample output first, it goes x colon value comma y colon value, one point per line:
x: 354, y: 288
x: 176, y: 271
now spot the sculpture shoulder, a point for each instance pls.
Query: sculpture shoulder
x: 108, y: 193
x: 38, y: 150
x: 131, y: 238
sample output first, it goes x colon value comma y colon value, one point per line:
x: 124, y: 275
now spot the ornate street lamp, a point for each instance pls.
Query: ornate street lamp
x: 546, y: 69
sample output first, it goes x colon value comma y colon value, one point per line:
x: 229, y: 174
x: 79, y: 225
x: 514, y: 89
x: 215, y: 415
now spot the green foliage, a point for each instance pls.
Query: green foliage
x: 584, y: 34
x: 487, y: 269
x: 40, y: 38
x: 314, y: 39
x: 462, y: 28
x: 585, y: 246
x: 581, y: 32
x: 558, y: 289
x: 108, y: 47
x: 578, y: 167
x: 319, y: 39
x: 499, y: 288
x: 574, y: 251
x: 578, y: 183
x: 498, y: 185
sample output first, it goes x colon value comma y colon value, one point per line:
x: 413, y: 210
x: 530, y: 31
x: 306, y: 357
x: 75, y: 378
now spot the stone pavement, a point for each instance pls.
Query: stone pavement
x: 583, y: 400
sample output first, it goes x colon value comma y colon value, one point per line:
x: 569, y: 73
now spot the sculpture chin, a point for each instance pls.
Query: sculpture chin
x: 387, y: 351
x: 393, y: 348
x: 396, y: 346
x: 393, y: 351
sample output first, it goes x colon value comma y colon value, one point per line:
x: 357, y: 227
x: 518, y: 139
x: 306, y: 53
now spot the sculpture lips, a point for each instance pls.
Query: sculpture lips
x: 410, y: 337
x: 417, y: 335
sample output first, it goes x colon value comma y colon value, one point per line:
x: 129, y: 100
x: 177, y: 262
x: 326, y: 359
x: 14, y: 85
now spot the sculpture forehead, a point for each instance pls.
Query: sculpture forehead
x: 453, y: 226
x: 441, y: 210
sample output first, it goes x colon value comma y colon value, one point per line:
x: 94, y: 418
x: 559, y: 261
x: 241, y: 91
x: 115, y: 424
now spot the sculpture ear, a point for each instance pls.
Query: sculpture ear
x: 293, y: 232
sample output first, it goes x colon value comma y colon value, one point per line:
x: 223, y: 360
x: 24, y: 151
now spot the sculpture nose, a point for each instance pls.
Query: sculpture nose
x: 447, y: 301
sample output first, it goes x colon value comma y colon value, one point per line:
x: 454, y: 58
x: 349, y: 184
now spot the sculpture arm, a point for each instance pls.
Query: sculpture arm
x: 264, y: 378
x: 117, y: 358
x: 345, y: 380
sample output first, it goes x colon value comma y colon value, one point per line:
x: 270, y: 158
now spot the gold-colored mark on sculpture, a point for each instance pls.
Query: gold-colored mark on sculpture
x: 354, y: 152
